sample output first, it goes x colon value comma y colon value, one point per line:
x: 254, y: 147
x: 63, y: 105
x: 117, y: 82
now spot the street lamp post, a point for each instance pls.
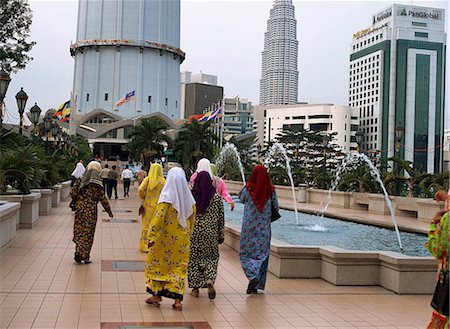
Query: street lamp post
x: 21, y: 99
x: 35, y: 113
x: 399, y: 132
x: 4, y: 83
x: 47, y: 128
x: 359, y: 139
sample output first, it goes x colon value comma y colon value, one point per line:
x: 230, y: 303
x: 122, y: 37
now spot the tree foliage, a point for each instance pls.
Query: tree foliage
x: 148, y: 140
x: 194, y: 141
x: 15, y: 20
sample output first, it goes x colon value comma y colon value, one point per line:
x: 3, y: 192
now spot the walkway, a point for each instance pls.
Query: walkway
x: 41, y: 287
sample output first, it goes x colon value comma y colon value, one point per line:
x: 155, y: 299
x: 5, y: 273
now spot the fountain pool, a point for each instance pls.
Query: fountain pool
x: 346, y: 235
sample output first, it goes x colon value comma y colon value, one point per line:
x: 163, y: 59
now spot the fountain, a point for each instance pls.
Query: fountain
x: 278, y: 148
x: 228, y: 151
x: 353, y: 158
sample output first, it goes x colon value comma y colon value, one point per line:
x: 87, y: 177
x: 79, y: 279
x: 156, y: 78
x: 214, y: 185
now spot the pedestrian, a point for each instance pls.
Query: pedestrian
x: 126, y: 177
x: 202, y: 165
x: 104, y: 176
x: 221, y: 186
x: 88, y: 191
x: 149, y: 192
x: 77, y: 173
x: 208, y: 233
x: 437, y: 245
x: 259, y: 198
x: 141, y: 174
x: 169, y: 239
x: 113, y: 176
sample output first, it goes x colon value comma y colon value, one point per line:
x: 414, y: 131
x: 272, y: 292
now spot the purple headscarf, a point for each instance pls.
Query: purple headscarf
x: 203, y: 191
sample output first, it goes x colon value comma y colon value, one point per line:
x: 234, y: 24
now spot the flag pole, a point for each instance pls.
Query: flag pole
x: 73, y: 111
x: 221, y: 123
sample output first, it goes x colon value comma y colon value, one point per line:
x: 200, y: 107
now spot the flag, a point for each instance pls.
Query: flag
x: 128, y: 97
x: 60, y: 109
x: 216, y: 113
x: 205, y: 117
x: 65, y: 116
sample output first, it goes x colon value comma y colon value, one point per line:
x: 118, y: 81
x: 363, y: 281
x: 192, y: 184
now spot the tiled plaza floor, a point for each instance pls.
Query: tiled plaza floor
x: 42, y: 287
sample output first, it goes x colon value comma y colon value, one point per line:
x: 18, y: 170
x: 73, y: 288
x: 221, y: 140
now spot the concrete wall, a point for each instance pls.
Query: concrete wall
x: 9, y: 216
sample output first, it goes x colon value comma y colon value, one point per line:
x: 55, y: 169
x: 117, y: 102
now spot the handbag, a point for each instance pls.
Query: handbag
x: 276, y: 215
x: 440, y: 296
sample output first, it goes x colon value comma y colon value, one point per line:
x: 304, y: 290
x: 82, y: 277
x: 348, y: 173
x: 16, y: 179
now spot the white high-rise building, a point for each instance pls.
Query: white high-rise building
x: 279, y: 74
x: 124, y: 46
x: 397, y: 83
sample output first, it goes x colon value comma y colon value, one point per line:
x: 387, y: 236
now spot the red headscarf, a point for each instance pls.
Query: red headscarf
x: 259, y: 186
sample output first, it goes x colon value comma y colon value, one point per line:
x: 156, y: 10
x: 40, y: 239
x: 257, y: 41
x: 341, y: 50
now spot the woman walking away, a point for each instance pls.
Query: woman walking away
x: 221, y: 187
x: 88, y: 192
x: 202, y: 165
x: 206, y: 237
x: 259, y: 197
x: 149, y: 191
x: 77, y: 173
x: 168, y: 240
x: 437, y: 245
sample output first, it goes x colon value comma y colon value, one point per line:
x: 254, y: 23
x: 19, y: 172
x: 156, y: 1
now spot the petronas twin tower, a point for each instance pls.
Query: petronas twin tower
x: 279, y: 73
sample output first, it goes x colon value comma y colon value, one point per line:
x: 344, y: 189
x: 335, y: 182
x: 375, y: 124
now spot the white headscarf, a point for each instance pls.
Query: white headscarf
x: 78, y: 171
x: 177, y: 193
x: 204, y: 165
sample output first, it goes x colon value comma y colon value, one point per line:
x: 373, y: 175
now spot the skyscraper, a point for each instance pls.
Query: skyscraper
x: 397, y: 82
x: 124, y: 46
x: 279, y: 74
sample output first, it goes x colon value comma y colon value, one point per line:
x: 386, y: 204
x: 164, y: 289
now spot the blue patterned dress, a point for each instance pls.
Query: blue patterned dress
x: 255, y: 238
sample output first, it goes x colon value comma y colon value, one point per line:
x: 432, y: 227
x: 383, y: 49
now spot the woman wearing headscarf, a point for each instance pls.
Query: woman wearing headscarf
x: 149, y: 191
x: 202, y: 165
x: 259, y: 197
x: 89, y: 191
x: 169, y: 239
x: 77, y: 173
x: 221, y: 187
x: 206, y: 237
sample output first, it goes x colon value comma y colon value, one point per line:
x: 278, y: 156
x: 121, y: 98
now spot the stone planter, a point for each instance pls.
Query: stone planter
x: 9, y: 216
x: 29, y: 208
x: 65, y: 191
x: 338, y: 199
x: 17, y: 198
x: 301, y: 197
x: 45, y: 203
x: 56, y: 195
x: 427, y: 208
x: 377, y: 204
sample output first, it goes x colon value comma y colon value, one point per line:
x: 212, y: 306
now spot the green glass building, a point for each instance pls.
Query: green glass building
x: 397, y: 81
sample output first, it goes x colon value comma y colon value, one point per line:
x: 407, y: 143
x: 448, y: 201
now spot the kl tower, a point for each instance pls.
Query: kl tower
x: 124, y: 46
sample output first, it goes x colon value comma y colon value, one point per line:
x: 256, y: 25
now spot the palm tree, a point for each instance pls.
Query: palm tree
x: 358, y: 179
x: 147, y: 140
x: 412, y: 182
x: 433, y: 183
x: 194, y: 141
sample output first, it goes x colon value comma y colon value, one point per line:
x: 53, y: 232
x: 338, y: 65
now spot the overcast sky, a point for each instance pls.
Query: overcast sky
x: 223, y: 38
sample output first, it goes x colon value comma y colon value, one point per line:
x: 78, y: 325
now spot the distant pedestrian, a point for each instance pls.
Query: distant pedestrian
x: 207, y: 235
x: 113, y: 176
x: 88, y: 192
x: 127, y: 176
x: 104, y: 176
x: 149, y: 192
x: 202, y: 165
x: 77, y: 173
x: 168, y: 240
x: 259, y: 198
x: 141, y: 174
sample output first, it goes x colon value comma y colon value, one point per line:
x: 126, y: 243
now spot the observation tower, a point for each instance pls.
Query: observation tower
x: 124, y: 46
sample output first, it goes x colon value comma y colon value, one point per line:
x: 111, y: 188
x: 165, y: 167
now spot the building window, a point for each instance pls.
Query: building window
x: 419, y: 24
x: 106, y: 96
x: 167, y: 101
x: 421, y: 34
x: 176, y: 104
x: 87, y: 97
x: 149, y: 99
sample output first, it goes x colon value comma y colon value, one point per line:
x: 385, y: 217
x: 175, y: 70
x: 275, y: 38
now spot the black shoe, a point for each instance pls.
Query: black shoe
x: 77, y: 258
x: 251, y: 288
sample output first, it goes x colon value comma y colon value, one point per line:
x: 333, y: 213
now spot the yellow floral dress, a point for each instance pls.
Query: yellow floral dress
x: 150, y: 195
x: 168, y: 257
